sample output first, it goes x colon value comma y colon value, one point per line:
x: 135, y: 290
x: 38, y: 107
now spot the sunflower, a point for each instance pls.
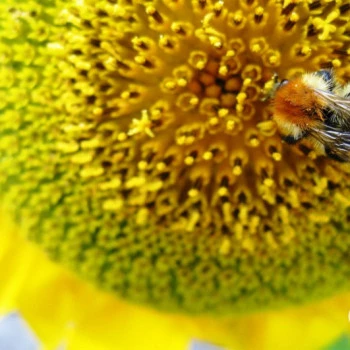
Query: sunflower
x: 137, y: 151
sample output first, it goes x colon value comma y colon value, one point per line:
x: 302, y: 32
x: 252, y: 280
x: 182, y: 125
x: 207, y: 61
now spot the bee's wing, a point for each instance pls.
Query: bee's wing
x: 335, y: 140
x: 340, y: 107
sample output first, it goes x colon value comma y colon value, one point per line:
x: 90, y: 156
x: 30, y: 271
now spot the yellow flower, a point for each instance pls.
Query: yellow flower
x: 136, y: 150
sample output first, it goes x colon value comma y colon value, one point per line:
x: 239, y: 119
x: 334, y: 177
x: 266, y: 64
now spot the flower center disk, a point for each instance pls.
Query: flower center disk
x: 143, y: 156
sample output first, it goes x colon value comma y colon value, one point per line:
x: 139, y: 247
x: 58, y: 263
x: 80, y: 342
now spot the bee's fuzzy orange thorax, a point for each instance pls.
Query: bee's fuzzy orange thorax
x: 297, y: 103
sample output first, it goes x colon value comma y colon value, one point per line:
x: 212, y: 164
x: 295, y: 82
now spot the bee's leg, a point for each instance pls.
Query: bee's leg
x: 292, y: 140
x: 333, y: 155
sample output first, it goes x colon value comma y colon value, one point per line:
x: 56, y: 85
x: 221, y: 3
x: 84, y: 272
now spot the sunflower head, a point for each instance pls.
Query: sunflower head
x: 136, y: 149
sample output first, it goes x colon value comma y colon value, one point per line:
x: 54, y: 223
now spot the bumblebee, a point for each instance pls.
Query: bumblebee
x: 316, y: 107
